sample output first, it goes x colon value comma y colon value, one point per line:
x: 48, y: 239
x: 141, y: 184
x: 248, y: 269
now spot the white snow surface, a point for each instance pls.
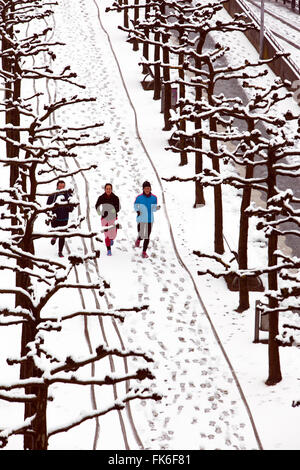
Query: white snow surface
x: 191, y: 323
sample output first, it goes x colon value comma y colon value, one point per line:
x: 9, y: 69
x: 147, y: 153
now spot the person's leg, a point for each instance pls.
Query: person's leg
x: 53, y: 225
x: 147, y: 237
x: 139, y: 231
x: 105, y: 223
x: 138, y: 240
x: 61, y: 244
x: 107, y: 244
x: 61, y: 240
x: 112, y: 232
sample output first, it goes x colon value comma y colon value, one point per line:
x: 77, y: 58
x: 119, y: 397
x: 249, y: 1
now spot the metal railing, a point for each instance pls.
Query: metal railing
x: 293, y: 4
x: 285, y: 67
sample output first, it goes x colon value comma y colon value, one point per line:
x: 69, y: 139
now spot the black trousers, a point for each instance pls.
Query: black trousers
x: 61, y: 240
x: 144, y: 231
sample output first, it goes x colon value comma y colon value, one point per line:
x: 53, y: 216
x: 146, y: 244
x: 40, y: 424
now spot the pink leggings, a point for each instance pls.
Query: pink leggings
x: 111, y: 233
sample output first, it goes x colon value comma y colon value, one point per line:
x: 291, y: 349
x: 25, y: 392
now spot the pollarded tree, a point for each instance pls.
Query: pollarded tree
x: 34, y: 129
x: 36, y: 157
x: 208, y: 110
x: 287, y: 296
x: 43, y: 278
x: 169, y: 23
x: 48, y: 368
x: 278, y: 151
x: 228, y: 114
x: 40, y: 149
x: 182, y: 20
x: 155, y: 23
x: 18, y: 47
x: 273, y: 153
x: 201, y: 22
x: 39, y: 278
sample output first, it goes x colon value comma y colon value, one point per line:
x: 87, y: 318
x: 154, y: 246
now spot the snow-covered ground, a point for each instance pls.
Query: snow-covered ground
x: 207, y: 368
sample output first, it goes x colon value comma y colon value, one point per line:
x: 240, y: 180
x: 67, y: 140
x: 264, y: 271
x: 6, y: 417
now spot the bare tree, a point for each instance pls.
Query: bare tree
x: 272, y: 153
x: 17, y: 47
x: 41, y: 147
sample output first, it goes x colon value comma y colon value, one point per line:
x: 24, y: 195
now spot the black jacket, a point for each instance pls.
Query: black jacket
x: 110, y: 205
x: 62, y: 213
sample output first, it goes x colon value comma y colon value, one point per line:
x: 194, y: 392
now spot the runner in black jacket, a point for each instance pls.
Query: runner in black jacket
x: 61, y: 213
x: 108, y: 206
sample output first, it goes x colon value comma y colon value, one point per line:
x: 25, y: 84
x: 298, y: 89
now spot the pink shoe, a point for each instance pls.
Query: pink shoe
x: 144, y: 255
x: 137, y: 243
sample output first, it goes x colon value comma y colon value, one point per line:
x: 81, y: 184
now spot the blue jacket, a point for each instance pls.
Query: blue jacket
x: 145, y: 206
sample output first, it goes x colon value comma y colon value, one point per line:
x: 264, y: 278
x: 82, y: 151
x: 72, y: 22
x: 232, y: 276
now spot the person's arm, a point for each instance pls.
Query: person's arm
x: 50, y: 199
x: 69, y: 196
x: 97, y: 206
x: 137, y: 206
x: 154, y: 205
x: 70, y: 208
x: 118, y: 205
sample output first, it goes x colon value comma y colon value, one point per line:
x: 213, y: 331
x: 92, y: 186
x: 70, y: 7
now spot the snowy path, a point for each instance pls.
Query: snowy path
x: 202, y: 407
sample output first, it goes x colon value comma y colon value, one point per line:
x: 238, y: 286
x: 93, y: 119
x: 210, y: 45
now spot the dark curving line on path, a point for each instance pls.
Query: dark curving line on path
x: 101, y: 324
x: 86, y: 331
x: 128, y: 405
x: 181, y: 262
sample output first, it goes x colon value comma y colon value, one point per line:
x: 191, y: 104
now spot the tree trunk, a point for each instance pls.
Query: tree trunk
x: 157, y: 84
x: 12, y: 94
x: 218, y: 203
x: 273, y: 346
x: 136, y: 17
x: 40, y: 437
x: 199, y: 193
x: 243, y: 236
x: 28, y: 368
x: 146, y: 51
x: 148, y: 8
x: 126, y: 18
x: 167, y: 86
x: 182, y: 125
x: 136, y: 11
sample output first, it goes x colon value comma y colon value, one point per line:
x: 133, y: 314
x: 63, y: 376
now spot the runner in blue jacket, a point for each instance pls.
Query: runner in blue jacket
x: 145, y: 205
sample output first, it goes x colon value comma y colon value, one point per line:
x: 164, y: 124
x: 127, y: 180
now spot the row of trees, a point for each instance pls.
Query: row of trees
x: 256, y: 133
x: 36, y: 147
